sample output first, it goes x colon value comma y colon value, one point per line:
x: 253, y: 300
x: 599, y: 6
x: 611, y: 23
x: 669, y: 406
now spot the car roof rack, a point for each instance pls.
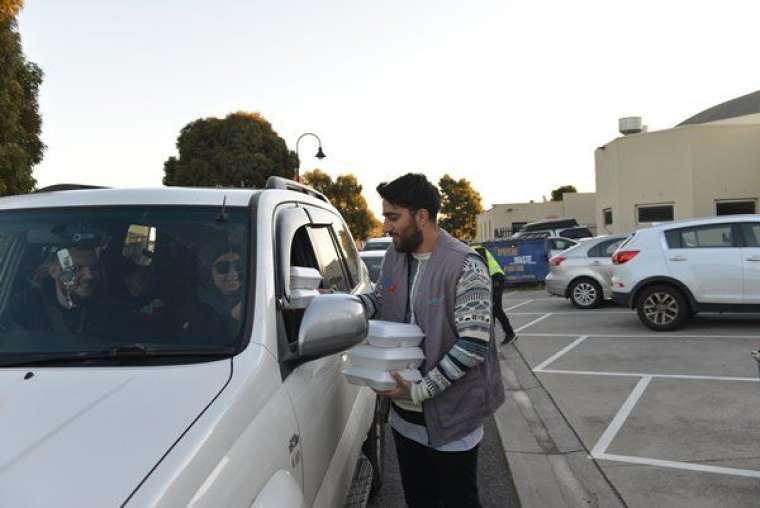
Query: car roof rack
x: 68, y: 186
x: 278, y: 182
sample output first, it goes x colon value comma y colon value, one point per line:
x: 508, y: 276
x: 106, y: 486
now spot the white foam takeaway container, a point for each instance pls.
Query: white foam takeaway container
x: 302, y: 277
x: 389, y: 334
x: 386, y: 359
x: 378, y: 379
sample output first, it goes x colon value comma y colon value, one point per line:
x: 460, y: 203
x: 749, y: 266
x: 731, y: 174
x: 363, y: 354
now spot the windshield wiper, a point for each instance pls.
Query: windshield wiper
x: 127, y: 351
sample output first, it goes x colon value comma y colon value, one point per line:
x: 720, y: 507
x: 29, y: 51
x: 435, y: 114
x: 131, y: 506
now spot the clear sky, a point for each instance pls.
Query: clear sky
x: 514, y: 96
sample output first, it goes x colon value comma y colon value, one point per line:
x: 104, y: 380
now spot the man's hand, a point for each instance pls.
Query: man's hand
x: 403, y: 389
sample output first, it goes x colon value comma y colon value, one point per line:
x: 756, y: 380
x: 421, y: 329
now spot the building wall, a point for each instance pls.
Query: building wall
x: 502, y: 216
x: 690, y: 167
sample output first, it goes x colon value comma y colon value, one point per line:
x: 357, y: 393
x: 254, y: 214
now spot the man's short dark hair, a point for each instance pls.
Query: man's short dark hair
x: 413, y: 191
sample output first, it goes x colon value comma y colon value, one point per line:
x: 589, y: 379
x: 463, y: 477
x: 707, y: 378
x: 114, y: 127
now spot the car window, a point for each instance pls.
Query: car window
x: 711, y: 236
x: 605, y: 249
x: 330, y: 265
x: 751, y: 233
x: 350, y: 253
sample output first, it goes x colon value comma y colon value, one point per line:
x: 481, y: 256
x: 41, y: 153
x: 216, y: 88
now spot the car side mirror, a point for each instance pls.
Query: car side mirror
x: 331, y: 324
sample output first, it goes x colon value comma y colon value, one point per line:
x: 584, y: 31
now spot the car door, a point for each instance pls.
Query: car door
x: 750, y: 255
x: 708, y: 260
x: 321, y: 396
x: 600, y: 259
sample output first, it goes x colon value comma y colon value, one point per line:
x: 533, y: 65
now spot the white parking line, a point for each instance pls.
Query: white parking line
x: 649, y: 336
x: 689, y: 466
x: 559, y: 353
x: 523, y: 327
x: 518, y: 305
x: 643, y: 374
x: 617, y: 422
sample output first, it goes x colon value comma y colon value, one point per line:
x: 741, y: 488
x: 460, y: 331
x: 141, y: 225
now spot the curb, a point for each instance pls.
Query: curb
x: 550, y: 466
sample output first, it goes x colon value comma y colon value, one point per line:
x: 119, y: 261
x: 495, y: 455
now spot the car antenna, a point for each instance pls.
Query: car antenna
x: 222, y: 215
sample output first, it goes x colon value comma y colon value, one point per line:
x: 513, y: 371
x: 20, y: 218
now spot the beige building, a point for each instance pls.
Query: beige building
x: 501, y: 220
x: 708, y: 165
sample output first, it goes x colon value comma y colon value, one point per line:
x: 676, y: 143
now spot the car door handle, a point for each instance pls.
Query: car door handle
x: 596, y: 263
x: 678, y: 258
x: 753, y: 258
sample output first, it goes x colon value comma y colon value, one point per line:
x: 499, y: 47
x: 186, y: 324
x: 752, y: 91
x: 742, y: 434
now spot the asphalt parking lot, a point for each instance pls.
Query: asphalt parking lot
x: 668, y: 419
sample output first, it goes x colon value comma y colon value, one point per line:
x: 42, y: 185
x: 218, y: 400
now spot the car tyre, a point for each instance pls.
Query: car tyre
x: 374, y: 446
x: 662, y: 307
x: 585, y: 294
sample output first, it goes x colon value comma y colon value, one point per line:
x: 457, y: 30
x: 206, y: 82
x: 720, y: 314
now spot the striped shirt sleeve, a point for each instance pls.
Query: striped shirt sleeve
x: 472, y: 316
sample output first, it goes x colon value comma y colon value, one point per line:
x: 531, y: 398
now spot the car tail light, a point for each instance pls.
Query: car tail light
x: 623, y: 256
x: 557, y: 260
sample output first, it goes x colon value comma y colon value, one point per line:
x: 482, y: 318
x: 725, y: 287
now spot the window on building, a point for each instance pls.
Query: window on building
x: 734, y: 207
x: 607, y: 216
x: 516, y: 226
x: 654, y: 213
x: 704, y: 237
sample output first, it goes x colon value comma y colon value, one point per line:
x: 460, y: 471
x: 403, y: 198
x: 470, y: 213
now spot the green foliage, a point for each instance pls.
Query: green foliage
x: 345, y: 194
x: 241, y: 150
x: 559, y: 191
x: 460, y: 207
x: 20, y: 122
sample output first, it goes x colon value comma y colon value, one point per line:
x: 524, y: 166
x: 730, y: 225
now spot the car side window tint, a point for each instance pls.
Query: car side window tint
x: 350, y: 253
x: 713, y: 236
x: 330, y: 264
x: 595, y: 251
x: 610, y: 248
x: 751, y: 233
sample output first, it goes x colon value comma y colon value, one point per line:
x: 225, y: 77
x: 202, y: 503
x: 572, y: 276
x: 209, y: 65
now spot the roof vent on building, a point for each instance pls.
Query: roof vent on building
x: 629, y: 125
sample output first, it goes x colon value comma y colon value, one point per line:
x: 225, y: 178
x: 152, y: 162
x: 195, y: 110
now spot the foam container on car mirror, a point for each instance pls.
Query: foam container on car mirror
x: 389, y: 334
x: 302, y: 277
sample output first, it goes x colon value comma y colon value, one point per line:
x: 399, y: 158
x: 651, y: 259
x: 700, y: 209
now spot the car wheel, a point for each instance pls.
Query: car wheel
x: 585, y: 294
x: 662, y: 308
x: 374, y: 445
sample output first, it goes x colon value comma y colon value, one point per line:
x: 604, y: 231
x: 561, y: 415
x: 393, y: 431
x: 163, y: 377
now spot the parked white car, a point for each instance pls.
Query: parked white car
x: 214, y: 380
x: 379, y: 244
x: 374, y: 261
x: 583, y: 273
x: 673, y: 271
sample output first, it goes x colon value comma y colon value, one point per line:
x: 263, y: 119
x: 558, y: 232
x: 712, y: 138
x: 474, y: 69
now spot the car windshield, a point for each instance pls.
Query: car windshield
x: 108, y: 279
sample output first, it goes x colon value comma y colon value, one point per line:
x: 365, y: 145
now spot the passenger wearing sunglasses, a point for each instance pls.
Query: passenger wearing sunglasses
x: 227, y: 276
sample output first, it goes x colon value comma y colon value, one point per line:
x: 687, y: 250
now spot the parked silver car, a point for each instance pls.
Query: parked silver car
x: 583, y: 273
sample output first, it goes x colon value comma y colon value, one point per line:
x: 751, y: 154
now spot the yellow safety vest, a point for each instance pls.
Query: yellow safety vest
x: 493, y: 265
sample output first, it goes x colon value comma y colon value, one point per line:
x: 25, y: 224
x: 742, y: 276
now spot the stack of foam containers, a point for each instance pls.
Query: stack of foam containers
x: 391, y: 347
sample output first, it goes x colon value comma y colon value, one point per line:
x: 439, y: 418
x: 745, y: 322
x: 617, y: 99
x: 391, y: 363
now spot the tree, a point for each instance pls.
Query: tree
x: 460, y: 207
x: 559, y: 191
x: 241, y: 150
x: 20, y: 122
x: 345, y: 194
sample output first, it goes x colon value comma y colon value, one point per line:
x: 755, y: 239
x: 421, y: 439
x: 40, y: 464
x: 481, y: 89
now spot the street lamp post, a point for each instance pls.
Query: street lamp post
x: 319, y: 155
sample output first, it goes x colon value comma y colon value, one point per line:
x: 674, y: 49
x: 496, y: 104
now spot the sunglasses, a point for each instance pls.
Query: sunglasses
x: 223, y: 267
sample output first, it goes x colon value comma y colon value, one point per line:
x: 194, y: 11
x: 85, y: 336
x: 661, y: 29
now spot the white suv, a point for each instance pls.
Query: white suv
x: 175, y: 347
x: 672, y: 271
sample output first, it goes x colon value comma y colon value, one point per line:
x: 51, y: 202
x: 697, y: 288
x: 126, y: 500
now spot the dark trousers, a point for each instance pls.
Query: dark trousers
x: 433, y: 479
x: 498, y: 310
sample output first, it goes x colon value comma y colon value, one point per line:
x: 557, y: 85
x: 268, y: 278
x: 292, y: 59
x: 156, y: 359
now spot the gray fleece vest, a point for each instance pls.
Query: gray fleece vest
x: 463, y: 406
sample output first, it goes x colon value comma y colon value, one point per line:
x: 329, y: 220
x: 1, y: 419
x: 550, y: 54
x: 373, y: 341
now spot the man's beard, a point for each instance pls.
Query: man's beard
x: 409, y: 243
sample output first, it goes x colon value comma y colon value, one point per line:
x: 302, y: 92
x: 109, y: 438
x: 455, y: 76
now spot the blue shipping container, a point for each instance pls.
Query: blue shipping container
x: 522, y: 260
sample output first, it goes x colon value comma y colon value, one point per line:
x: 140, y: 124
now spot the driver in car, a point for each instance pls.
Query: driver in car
x: 61, y: 297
